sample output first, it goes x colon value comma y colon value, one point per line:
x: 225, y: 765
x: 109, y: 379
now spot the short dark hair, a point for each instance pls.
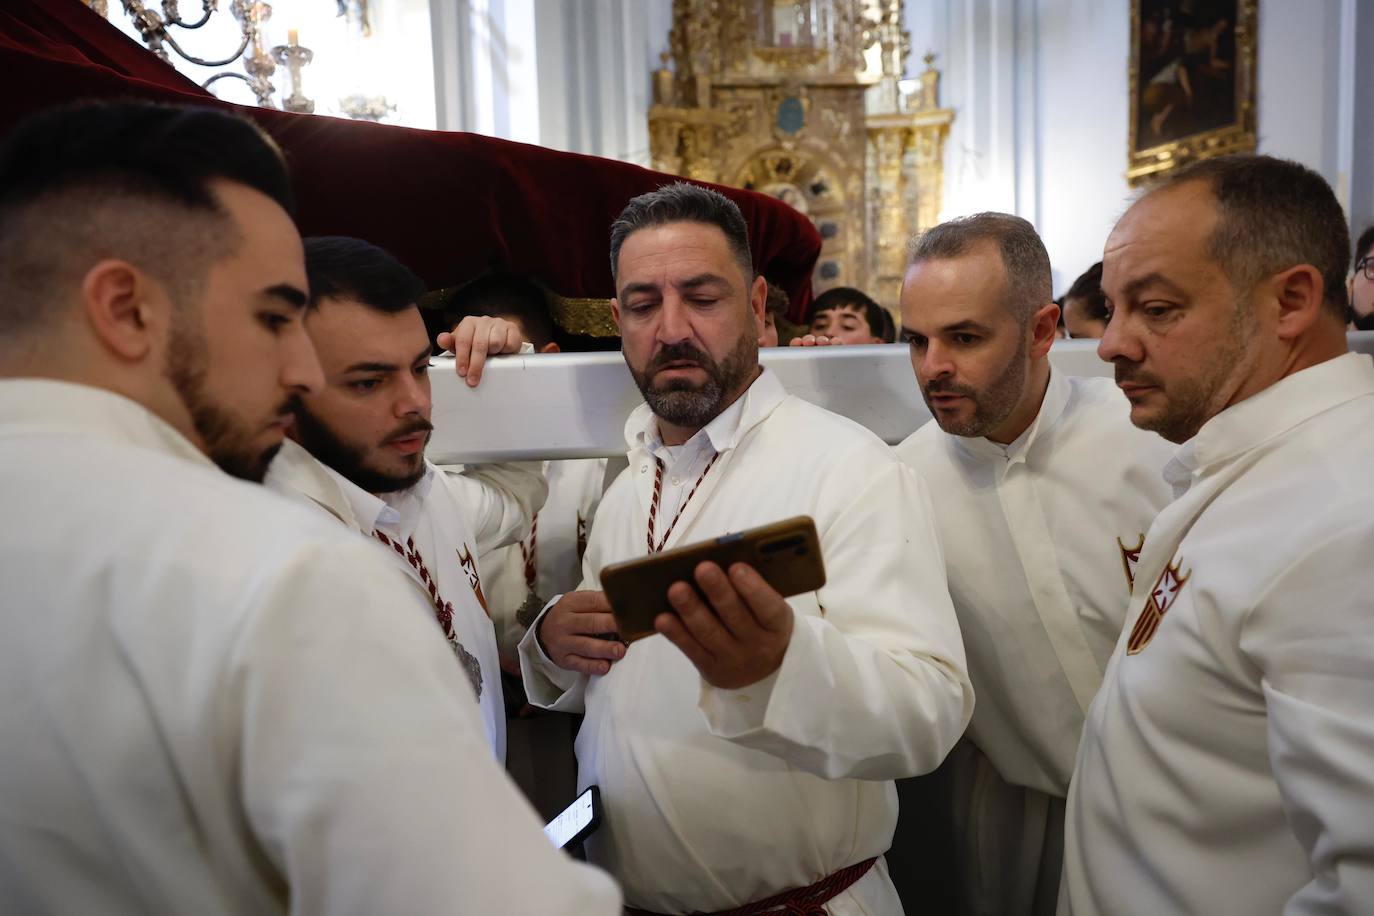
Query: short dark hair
x: 1024, y: 260
x: 339, y: 267
x: 129, y: 180
x: 1272, y: 214
x: 777, y: 301
x: 682, y: 202
x: 505, y: 295
x: 839, y: 297
x: 1088, y: 289
x: 1366, y: 242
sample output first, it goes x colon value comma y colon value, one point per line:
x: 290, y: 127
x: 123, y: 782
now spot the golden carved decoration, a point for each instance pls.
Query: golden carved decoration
x: 585, y: 316
x: 802, y: 99
x: 589, y: 317
x: 1156, y: 151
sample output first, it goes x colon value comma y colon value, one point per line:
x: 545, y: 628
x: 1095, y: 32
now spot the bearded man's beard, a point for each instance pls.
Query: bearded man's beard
x: 991, y: 407
x: 678, y: 401
x: 227, y: 442
x: 350, y: 460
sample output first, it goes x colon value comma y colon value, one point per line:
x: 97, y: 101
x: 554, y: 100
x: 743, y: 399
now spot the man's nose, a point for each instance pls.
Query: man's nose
x: 301, y: 372
x: 415, y: 396
x: 674, y: 324
x: 1119, y: 342
x: 936, y: 363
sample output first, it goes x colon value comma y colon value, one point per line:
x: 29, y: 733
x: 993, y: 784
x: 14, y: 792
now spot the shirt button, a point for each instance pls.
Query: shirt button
x: 643, y: 469
x: 677, y: 481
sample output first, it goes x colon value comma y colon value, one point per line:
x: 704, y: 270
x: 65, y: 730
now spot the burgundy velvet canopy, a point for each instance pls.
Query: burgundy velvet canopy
x: 450, y: 205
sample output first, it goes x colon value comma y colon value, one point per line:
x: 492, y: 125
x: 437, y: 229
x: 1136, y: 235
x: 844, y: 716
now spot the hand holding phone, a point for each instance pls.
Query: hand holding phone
x: 734, y: 626
x: 572, y: 633
x: 786, y: 553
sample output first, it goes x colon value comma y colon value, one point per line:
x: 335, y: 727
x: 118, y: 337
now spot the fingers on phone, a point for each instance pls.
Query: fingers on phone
x: 700, y: 621
x: 673, y: 628
x: 766, y: 606
x: 725, y: 600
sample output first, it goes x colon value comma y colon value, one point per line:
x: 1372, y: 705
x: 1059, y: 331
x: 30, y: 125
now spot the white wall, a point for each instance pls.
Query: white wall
x: 1041, y: 128
x: 567, y: 74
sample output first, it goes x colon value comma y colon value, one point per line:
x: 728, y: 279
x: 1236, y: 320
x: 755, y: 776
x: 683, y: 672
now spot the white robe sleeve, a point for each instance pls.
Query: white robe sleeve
x: 364, y: 768
x: 877, y: 686
x: 1311, y: 639
x: 499, y: 500
x: 547, y: 685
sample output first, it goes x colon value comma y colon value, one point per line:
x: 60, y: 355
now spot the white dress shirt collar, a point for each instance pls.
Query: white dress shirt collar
x: 1052, y: 406
x: 86, y: 409
x: 723, y: 432
x: 395, y: 511
x: 1270, y: 413
x: 296, y: 469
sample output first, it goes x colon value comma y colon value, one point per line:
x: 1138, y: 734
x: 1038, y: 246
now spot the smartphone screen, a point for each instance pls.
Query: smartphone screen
x: 576, y: 821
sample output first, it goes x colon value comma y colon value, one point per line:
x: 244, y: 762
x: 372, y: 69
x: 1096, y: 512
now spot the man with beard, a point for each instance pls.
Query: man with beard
x: 205, y: 709
x: 746, y: 754
x: 361, y: 452
x: 1042, y: 490
x: 1227, y: 763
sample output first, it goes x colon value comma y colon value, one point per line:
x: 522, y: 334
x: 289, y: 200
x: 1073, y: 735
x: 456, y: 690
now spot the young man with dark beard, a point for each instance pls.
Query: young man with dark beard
x: 747, y: 752
x: 1042, y: 490
x: 214, y: 701
x: 358, y: 448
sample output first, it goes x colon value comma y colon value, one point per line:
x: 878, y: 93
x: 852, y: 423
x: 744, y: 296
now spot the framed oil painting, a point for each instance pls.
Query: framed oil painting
x: 1192, y: 83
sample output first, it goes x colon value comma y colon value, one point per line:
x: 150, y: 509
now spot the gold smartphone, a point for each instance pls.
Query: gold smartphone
x: 787, y: 554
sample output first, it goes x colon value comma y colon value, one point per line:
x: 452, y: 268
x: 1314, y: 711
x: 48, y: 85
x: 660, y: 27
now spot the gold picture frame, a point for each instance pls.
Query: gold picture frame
x: 1192, y: 83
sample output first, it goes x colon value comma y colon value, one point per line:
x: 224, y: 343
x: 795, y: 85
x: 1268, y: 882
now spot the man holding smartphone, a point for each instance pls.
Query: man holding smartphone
x: 747, y: 755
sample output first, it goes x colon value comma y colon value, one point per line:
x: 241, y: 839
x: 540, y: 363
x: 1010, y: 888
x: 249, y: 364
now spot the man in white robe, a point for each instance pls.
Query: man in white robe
x: 215, y: 701
x: 749, y: 750
x: 359, y: 448
x: 1227, y: 764
x: 545, y: 561
x: 548, y: 559
x: 1043, y: 491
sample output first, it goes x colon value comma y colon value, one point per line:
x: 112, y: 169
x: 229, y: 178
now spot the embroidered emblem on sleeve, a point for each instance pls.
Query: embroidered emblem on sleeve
x: 581, y: 537
x: 469, y: 564
x: 1157, y: 604
x: 1130, y: 556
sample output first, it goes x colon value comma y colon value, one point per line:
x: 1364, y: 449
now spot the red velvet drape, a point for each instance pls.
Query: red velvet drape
x: 449, y: 205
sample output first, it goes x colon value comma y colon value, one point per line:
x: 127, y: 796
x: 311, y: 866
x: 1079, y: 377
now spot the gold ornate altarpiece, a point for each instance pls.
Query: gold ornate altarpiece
x: 801, y: 99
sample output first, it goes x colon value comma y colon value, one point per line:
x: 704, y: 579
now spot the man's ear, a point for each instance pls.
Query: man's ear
x: 615, y: 311
x: 121, y: 302
x: 1299, y: 292
x: 551, y: 347
x: 758, y: 299
x: 1044, y: 330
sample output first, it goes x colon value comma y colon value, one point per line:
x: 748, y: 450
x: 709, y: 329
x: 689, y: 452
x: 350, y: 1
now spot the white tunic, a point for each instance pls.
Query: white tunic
x: 1227, y: 765
x: 451, y: 519
x: 559, y: 541
x: 1033, y: 534
x: 216, y: 702
x: 715, y: 798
